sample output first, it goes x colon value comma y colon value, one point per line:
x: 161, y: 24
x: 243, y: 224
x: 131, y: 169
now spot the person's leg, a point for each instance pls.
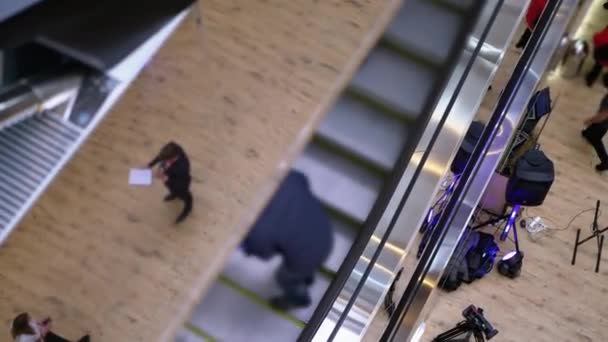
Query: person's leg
x: 295, y: 289
x: 171, y: 195
x: 52, y: 337
x: 594, y: 134
x: 524, y: 39
x: 593, y: 74
x: 187, y: 198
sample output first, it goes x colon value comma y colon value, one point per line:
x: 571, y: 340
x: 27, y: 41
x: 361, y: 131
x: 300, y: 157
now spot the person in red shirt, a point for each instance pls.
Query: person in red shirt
x: 534, y: 11
x: 600, y: 55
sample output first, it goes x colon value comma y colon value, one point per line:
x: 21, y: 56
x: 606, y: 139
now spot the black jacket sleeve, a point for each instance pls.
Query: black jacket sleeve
x: 154, y: 162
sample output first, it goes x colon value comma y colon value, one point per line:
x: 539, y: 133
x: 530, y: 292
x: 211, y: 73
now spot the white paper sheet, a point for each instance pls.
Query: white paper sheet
x: 141, y: 177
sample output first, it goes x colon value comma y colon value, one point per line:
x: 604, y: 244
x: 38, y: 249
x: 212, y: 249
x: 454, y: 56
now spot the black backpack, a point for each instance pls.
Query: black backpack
x: 473, y: 258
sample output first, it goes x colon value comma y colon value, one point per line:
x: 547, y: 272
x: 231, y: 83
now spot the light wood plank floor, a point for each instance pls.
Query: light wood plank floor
x: 242, y: 94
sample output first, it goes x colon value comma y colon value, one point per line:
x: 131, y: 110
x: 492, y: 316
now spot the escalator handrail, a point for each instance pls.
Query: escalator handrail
x: 492, y: 128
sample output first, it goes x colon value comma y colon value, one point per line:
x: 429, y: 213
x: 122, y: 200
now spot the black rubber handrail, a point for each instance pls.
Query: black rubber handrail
x: 472, y: 167
x: 389, y: 188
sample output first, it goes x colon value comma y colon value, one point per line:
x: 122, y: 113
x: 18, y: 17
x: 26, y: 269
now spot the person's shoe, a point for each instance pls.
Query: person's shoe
x: 602, y: 166
x: 283, y: 303
x: 180, y: 219
x: 169, y: 197
x: 85, y: 338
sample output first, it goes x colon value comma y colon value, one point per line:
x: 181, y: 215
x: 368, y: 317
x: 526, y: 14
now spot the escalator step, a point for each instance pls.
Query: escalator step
x: 404, y: 31
x: 364, y: 131
x: 344, y: 236
x: 193, y: 333
x: 338, y: 182
x: 382, y: 77
x: 257, y: 277
x: 232, y: 313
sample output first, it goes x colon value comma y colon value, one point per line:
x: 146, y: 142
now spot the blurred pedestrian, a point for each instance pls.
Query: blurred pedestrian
x: 174, y: 171
x: 600, y: 56
x: 597, y: 126
x: 535, y: 9
x: 25, y: 329
x: 294, y: 225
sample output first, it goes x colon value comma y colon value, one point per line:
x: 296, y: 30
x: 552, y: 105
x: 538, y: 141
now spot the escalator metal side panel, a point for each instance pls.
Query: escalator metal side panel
x: 464, y: 110
x: 419, y: 309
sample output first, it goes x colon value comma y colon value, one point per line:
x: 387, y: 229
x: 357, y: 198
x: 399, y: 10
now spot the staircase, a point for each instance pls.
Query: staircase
x: 29, y: 151
x: 351, y: 155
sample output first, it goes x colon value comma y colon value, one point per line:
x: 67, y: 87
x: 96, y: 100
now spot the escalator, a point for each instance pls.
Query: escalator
x: 348, y: 161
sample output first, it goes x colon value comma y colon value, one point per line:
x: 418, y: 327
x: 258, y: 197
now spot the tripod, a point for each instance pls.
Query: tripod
x: 595, y: 233
x: 474, y: 324
x: 464, y: 330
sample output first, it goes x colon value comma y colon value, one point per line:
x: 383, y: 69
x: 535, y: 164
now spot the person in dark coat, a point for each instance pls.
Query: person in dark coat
x: 294, y: 225
x: 535, y: 9
x: 174, y: 170
x: 600, y: 56
x: 597, y: 126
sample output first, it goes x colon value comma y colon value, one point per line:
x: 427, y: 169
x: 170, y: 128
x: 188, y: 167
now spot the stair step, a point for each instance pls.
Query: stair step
x: 20, y: 148
x: 48, y: 133
x: 397, y: 82
x: 231, y: 315
x: 66, y: 128
x: 338, y: 182
x: 29, y: 151
x: 413, y: 19
x: 18, y: 175
x: 35, y: 141
x: 364, y: 131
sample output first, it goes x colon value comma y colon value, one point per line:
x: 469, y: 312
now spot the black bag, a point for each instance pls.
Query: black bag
x: 473, y: 258
x: 457, y: 268
x: 480, y: 259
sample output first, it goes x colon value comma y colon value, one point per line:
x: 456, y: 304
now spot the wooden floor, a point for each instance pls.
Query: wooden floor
x: 552, y: 300
x: 242, y: 93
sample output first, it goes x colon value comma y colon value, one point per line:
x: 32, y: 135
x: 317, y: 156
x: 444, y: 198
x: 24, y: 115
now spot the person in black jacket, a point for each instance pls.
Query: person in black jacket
x: 294, y: 225
x: 174, y: 170
x: 597, y: 126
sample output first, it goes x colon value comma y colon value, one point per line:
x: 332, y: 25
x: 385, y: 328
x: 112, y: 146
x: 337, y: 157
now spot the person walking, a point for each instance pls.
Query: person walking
x: 535, y: 9
x: 597, y: 126
x: 600, y: 56
x: 174, y: 171
x: 25, y: 329
x: 295, y: 226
